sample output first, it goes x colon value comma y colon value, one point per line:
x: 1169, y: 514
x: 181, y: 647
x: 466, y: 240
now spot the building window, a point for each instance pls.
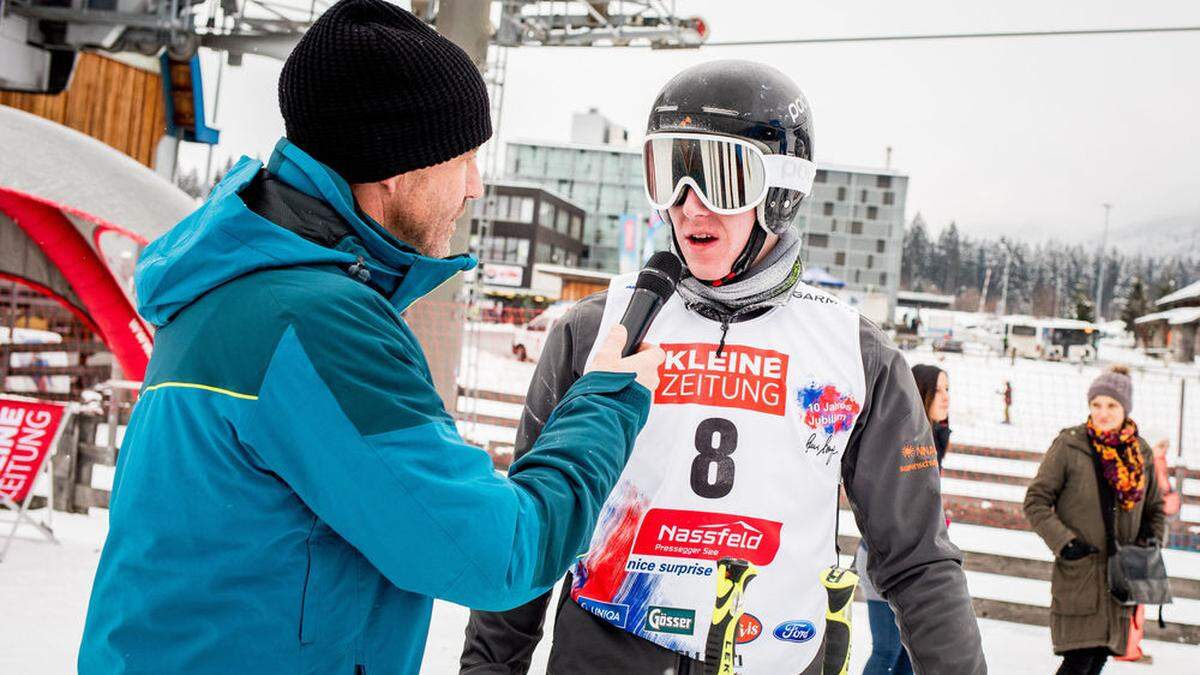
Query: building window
x: 833, y: 226
x: 577, y: 227
x: 862, y: 196
x: 818, y: 240
x: 880, y: 246
x: 856, y: 227
x: 883, y: 278
x: 839, y: 258
x: 502, y: 249
x: 883, y: 181
x: 870, y: 261
x: 841, y: 193
x: 546, y: 214
x: 857, y: 276
x: 872, y: 212
x: 562, y: 221
x: 828, y: 208
x: 820, y: 177
x: 889, y: 198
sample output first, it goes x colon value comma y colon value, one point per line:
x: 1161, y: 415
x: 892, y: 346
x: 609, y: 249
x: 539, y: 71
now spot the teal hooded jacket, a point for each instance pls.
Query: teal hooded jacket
x: 291, y: 494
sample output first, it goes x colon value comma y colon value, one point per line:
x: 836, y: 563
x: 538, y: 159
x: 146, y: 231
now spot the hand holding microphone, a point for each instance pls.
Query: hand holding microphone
x: 644, y: 364
x: 622, y: 350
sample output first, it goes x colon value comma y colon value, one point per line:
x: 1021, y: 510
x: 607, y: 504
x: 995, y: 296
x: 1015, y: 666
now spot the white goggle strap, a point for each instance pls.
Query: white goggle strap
x: 790, y: 173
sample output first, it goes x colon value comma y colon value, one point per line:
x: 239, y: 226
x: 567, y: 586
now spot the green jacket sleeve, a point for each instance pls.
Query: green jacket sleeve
x: 348, y: 418
x: 1042, y: 495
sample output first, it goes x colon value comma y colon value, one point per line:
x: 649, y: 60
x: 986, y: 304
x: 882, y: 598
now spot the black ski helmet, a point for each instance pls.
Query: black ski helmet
x: 745, y: 100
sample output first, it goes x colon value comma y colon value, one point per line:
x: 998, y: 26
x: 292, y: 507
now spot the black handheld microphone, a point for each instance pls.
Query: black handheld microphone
x: 655, y: 284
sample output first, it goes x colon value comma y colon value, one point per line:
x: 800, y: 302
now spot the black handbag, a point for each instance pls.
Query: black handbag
x: 1136, y: 574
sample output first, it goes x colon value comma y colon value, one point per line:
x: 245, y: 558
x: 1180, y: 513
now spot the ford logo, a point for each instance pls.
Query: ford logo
x: 795, y: 631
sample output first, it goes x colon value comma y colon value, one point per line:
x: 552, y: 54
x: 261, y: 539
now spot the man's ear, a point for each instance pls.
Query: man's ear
x: 392, y: 185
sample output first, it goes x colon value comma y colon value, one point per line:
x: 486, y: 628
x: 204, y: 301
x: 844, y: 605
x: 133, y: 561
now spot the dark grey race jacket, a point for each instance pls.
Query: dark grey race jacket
x: 915, y: 566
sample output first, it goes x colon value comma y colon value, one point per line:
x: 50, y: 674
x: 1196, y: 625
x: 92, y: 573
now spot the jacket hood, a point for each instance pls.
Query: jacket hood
x: 224, y: 240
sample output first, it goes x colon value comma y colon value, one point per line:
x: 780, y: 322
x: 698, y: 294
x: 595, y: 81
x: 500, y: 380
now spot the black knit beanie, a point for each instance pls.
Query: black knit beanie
x: 371, y: 91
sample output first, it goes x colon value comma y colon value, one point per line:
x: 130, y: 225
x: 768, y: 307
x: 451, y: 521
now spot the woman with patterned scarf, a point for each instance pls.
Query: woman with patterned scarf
x: 1063, y: 506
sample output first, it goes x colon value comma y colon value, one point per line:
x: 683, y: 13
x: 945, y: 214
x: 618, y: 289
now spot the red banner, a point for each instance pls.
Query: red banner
x: 707, y: 536
x: 27, y: 431
x: 741, y: 377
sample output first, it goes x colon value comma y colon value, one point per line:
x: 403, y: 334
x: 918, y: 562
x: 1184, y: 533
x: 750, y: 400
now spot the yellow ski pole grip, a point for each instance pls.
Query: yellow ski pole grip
x: 839, y: 584
x: 733, y: 575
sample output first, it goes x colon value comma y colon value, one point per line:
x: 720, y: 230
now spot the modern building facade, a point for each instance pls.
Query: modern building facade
x: 606, y: 180
x: 593, y: 128
x: 853, y: 222
x: 526, y: 225
x: 853, y: 227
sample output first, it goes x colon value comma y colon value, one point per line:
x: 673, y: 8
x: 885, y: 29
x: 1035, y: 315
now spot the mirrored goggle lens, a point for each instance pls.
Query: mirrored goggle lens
x: 728, y: 175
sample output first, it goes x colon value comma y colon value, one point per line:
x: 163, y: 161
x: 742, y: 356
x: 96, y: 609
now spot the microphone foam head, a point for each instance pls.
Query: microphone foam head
x: 661, y: 274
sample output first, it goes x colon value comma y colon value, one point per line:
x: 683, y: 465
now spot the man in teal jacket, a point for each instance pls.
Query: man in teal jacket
x: 290, y: 494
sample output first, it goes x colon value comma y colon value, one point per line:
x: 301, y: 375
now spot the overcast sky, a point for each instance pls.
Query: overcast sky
x: 1024, y: 137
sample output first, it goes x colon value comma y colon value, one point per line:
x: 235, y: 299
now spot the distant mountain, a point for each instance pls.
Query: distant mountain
x: 1176, y: 235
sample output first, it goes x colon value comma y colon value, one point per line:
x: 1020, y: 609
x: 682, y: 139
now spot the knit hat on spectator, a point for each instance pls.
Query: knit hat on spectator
x: 1116, y: 384
x: 371, y: 91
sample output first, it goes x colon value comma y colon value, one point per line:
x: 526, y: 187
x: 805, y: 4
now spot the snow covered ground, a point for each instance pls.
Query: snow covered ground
x: 49, y: 585
x: 1025, y: 544
x: 1047, y: 396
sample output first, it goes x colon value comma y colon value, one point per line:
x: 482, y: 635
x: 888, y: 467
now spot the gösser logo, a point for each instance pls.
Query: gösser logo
x: 795, y: 631
x: 748, y: 628
x: 670, y: 620
x: 707, y: 536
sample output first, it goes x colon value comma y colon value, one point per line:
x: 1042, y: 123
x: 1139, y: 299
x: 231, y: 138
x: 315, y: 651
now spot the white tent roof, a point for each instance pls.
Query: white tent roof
x: 1174, y: 317
x: 1186, y: 293
x: 82, y: 175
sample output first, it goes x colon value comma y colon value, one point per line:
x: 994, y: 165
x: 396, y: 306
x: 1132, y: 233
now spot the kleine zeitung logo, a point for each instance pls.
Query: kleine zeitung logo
x: 739, y: 377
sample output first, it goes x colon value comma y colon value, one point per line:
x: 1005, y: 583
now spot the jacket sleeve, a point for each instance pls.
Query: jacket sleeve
x: 890, y: 473
x: 500, y: 643
x: 1042, y: 495
x: 1154, y: 517
x: 347, y: 416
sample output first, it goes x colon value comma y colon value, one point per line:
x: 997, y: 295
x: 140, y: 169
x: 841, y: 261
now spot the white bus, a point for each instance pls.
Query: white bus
x: 1051, y: 339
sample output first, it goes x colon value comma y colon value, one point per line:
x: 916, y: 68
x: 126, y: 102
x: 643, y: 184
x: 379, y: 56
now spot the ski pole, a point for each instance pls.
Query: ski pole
x: 733, y: 575
x: 839, y: 583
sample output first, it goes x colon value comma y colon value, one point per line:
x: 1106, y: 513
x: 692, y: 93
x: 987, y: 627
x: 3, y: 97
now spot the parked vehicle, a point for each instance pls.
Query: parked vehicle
x: 1051, y: 339
x: 948, y: 343
x: 530, y: 339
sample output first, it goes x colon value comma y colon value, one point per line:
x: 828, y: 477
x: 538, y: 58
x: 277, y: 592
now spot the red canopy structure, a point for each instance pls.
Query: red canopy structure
x: 74, y: 212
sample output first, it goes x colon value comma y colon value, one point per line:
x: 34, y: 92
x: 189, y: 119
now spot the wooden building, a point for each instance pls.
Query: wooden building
x: 116, y: 101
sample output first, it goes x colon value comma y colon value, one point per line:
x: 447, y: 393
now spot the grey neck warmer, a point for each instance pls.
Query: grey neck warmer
x: 767, y: 284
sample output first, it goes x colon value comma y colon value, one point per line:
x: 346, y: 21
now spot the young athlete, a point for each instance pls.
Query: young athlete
x: 772, y: 393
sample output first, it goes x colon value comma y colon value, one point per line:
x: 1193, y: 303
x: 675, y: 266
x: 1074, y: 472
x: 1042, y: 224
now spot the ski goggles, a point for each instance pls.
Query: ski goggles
x: 729, y: 175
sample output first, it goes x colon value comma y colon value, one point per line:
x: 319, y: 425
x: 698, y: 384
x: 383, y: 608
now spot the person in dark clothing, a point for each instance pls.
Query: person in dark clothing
x: 887, y: 652
x: 291, y: 494
x: 934, y: 386
x: 773, y: 395
x: 1063, y: 505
